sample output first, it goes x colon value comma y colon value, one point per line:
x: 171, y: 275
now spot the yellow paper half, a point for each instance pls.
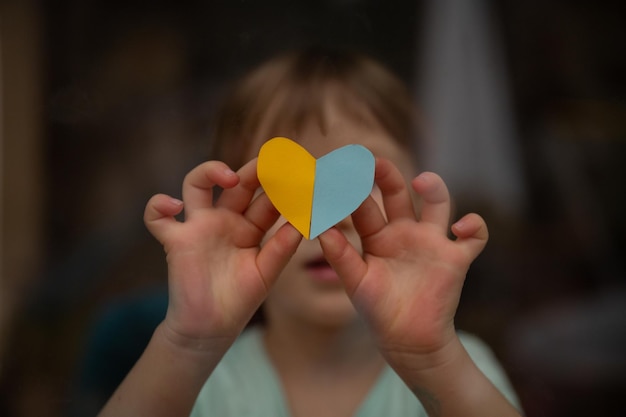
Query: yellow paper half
x: 287, y: 173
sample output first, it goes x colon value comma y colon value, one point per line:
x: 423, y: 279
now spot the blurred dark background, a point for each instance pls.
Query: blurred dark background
x: 104, y: 103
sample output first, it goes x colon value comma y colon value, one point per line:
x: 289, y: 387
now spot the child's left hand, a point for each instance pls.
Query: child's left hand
x: 408, y: 280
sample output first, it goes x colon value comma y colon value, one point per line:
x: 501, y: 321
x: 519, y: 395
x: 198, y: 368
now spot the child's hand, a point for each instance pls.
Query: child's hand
x: 218, y: 273
x: 408, y: 281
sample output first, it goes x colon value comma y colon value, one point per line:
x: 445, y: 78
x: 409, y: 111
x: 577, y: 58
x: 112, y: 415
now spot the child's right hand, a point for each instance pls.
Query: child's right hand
x: 218, y: 272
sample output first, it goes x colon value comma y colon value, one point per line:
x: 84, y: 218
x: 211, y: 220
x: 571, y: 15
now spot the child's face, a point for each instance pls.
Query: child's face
x: 308, y: 289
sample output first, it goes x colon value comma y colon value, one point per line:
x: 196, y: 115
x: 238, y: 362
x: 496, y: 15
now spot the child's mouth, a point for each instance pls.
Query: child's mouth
x: 321, y: 270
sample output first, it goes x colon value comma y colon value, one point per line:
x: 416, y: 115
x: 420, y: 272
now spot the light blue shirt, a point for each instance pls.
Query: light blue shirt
x: 245, y: 384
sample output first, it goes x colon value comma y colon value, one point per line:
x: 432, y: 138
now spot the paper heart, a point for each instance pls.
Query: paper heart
x: 314, y: 195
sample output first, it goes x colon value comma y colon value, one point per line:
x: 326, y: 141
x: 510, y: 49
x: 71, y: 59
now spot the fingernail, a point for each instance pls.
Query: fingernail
x: 424, y: 177
x: 229, y: 172
x: 460, y: 225
x: 176, y: 201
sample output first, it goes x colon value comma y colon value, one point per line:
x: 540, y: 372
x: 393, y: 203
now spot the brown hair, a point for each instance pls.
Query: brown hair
x: 286, y: 92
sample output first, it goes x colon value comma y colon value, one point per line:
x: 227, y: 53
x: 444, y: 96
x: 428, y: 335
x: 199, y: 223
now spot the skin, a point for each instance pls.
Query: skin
x: 401, y: 279
x: 318, y: 343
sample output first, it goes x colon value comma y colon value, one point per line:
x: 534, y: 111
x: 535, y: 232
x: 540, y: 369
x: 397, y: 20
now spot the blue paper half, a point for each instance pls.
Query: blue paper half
x: 343, y: 180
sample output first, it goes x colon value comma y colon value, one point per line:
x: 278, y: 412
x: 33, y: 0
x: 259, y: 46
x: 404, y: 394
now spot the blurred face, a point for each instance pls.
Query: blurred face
x: 309, y: 290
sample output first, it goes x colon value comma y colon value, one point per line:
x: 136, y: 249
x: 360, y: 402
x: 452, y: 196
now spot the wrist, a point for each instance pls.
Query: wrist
x: 417, y: 361
x: 192, y: 347
x: 448, y: 383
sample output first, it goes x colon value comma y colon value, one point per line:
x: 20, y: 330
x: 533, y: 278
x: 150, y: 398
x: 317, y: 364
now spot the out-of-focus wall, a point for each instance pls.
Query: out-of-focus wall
x: 105, y: 103
x: 21, y: 141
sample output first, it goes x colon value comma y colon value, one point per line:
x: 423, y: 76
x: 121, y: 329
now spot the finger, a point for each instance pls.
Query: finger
x: 262, y: 213
x: 199, y: 182
x: 368, y: 219
x: 159, y: 215
x: 237, y: 198
x: 472, y: 234
x: 274, y: 255
x: 435, y: 199
x: 395, y: 193
x: 344, y: 258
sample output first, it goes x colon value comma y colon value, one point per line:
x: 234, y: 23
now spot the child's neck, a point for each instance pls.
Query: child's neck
x: 324, y: 371
x: 307, y: 347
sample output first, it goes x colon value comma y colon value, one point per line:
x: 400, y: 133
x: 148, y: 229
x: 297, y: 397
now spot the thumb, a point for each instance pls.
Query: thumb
x: 276, y: 252
x: 472, y: 234
x: 344, y: 258
x: 159, y: 215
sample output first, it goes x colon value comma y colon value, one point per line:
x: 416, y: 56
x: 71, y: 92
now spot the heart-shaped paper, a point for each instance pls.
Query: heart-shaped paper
x: 314, y: 195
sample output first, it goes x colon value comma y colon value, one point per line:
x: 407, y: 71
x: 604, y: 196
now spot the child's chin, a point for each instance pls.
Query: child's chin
x: 336, y: 316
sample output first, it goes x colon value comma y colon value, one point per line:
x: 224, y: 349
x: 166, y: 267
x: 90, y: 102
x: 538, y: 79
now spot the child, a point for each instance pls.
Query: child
x: 359, y: 322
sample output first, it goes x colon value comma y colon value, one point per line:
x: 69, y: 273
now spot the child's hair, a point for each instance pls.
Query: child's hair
x: 286, y: 92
